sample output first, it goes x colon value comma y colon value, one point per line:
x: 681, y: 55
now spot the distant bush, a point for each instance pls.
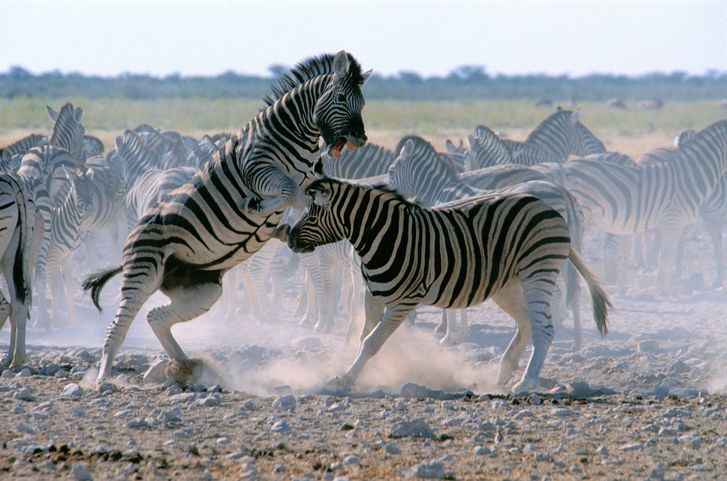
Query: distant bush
x: 464, y: 82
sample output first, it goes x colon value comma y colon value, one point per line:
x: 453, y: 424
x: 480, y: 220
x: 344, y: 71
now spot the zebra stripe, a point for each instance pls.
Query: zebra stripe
x: 508, y: 247
x: 10, y: 154
x: 562, y: 134
x: 421, y: 173
x: 233, y: 206
x: 66, y: 222
x: 367, y: 161
x: 667, y: 196
x: 17, y: 230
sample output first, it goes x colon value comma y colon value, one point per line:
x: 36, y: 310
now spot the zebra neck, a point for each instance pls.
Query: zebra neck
x: 374, y: 227
x: 294, y: 113
x: 69, y: 214
x: 431, y: 187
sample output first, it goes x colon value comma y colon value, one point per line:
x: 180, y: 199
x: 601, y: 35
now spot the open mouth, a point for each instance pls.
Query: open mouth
x: 335, y: 149
x: 303, y: 250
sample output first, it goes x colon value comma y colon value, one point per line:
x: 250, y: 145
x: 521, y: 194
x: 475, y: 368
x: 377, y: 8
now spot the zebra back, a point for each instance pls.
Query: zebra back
x: 367, y: 161
x: 20, y: 147
x: 68, y: 132
x: 487, y: 149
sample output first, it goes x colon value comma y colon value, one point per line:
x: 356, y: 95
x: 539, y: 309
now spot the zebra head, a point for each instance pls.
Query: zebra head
x: 320, y: 223
x: 80, y: 189
x: 402, y: 171
x: 337, y: 113
x: 487, y: 149
x: 68, y: 131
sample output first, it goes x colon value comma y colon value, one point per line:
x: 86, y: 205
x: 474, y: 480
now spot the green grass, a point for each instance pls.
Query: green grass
x: 424, y: 117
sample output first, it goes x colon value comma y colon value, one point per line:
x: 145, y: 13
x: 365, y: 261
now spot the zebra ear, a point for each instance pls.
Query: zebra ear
x: 365, y: 76
x: 408, y: 149
x: 575, y: 117
x: 450, y: 146
x: 341, y: 63
x: 53, y: 114
x: 471, y: 141
x: 79, y: 113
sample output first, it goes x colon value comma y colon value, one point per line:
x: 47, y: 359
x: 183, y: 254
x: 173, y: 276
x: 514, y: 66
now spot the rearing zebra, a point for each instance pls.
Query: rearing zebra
x: 233, y: 205
x: 508, y: 247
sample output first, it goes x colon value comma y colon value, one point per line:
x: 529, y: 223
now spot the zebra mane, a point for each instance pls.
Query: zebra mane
x: 308, y: 69
x: 378, y: 184
x: 67, y: 116
x: 552, y: 118
x: 423, y: 146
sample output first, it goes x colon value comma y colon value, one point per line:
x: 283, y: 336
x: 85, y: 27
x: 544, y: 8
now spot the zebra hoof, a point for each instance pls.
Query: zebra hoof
x: 339, y: 385
x: 184, y: 372
x: 525, y: 385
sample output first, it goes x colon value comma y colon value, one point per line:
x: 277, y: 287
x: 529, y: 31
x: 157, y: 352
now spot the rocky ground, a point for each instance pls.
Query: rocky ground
x: 646, y: 402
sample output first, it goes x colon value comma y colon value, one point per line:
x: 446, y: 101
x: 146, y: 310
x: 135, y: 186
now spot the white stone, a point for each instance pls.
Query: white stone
x: 80, y: 472
x: 72, y: 390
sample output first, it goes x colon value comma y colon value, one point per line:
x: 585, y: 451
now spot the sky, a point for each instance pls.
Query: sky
x: 189, y: 37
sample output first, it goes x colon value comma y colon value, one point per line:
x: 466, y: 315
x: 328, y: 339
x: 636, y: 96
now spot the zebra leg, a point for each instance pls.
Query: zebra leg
x: 669, y: 235
x: 69, y: 277
x: 714, y: 229
x: 511, y: 299
x: 53, y: 270
x: 374, y: 311
x: 18, y: 310
x: 443, y: 325
x: 536, y: 286
x: 138, y: 282
x: 390, y: 321
x: 5, y: 311
x: 187, y: 302
x: 573, y: 301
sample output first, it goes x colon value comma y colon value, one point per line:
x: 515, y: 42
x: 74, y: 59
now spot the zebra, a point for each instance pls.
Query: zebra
x: 563, y: 134
x: 67, y: 221
x: 43, y: 167
x: 712, y: 211
x: 10, y: 155
x: 230, y: 208
x: 666, y: 196
x: 92, y: 146
x: 506, y: 247
x: 18, y: 231
x: 368, y: 161
x: 486, y: 149
x: 421, y: 173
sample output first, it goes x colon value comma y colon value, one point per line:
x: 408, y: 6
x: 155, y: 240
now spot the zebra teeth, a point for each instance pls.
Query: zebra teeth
x: 337, y: 147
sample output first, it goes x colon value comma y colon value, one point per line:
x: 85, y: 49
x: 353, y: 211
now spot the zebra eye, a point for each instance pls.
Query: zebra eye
x: 341, y: 97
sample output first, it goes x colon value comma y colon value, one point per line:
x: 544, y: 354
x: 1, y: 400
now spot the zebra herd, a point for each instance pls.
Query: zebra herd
x: 492, y: 218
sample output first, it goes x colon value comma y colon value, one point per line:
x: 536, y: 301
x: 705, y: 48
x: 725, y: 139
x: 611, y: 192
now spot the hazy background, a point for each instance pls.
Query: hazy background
x: 161, y: 37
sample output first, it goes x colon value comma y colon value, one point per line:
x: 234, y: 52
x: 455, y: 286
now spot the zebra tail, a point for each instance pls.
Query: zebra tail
x: 95, y: 283
x: 21, y: 265
x: 599, y: 298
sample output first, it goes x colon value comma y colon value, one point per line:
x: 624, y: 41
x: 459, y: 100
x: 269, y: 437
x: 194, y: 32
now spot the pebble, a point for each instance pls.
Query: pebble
x: 535, y: 400
x: 602, y: 451
x: 483, y: 451
x: 72, y: 390
x: 280, y: 426
x: 25, y: 372
x: 523, y: 414
x: 428, y: 470
x: 182, y: 398
x: 631, y: 447
x: 7, y: 374
x: 137, y: 423
x: 24, y: 394
x: 399, y: 405
x: 563, y: 412
x: 210, y: 401
x: 25, y: 428
x: 80, y: 472
x: 351, y: 459
x: 657, y: 472
x: 197, y: 388
x: 285, y: 403
x: 391, y: 448
x: 722, y: 442
x: 416, y: 428
x: 279, y: 469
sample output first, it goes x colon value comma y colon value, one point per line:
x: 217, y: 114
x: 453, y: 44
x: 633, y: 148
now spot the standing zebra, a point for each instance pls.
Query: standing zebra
x: 421, y: 173
x: 43, y: 169
x: 66, y: 223
x: 10, y: 155
x: 18, y: 229
x: 667, y: 196
x: 507, y: 247
x: 230, y: 209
